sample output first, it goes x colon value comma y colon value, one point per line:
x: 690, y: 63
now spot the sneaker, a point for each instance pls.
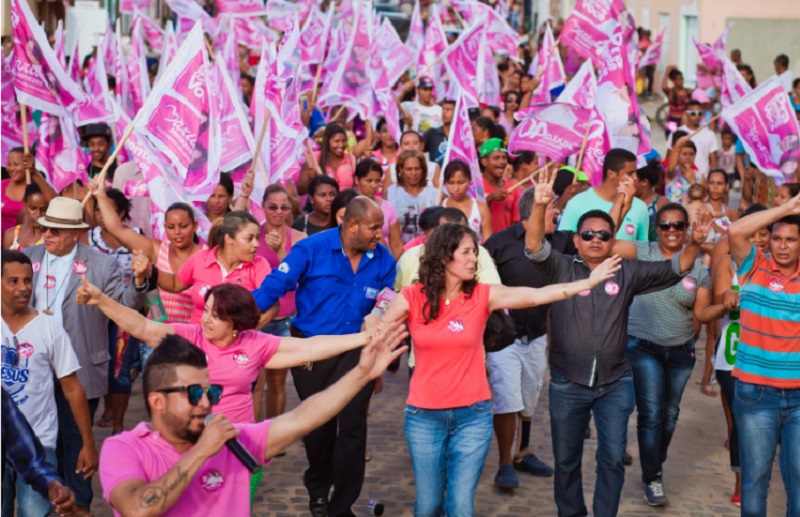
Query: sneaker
x: 736, y: 500
x: 318, y: 507
x: 654, y: 494
x: 506, y: 478
x: 533, y: 465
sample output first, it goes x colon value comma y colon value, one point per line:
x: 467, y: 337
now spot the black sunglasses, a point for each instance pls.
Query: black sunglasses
x: 603, y: 235
x: 195, y: 392
x: 679, y: 226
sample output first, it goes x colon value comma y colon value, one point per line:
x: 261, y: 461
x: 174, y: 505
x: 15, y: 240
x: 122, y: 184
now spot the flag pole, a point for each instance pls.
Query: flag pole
x: 257, y: 154
x: 583, y: 150
x: 314, y: 158
x: 117, y: 149
x: 23, y: 111
x: 530, y: 177
x: 704, y: 124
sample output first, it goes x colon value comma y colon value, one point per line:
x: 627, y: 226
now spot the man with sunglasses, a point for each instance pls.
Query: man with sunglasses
x: 704, y: 140
x: 58, y: 265
x: 766, y: 403
x: 177, y: 463
x: 35, y: 350
x: 589, y: 372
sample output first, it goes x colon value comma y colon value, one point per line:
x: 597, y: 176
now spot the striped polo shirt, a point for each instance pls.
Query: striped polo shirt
x: 769, y: 345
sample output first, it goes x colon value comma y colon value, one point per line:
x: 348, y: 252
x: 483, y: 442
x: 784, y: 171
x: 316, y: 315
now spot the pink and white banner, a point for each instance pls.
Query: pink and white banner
x: 489, y: 93
x: 132, y: 6
x: 280, y: 13
x: 461, y: 146
x: 189, y: 12
x: 178, y: 118
x: 416, y: 34
x: 712, y: 58
x: 120, y: 71
x: 501, y: 37
x: 11, y: 128
x: 463, y: 60
x: 765, y: 122
x: 153, y: 34
x: 228, y: 49
x: 396, y: 57
x: 314, y: 36
x: 555, y: 130
x: 137, y: 67
x: 349, y: 85
x: 734, y: 86
x: 170, y: 49
x: 652, y: 56
x: 237, y: 138
x: 548, y: 67
x: 252, y: 31
x: 384, y: 102
x: 74, y: 70
x: 242, y: 7
x: 626, y: 121
x: 591, y: 24
x: 581, y: 90
x: 39, y: 79
x: 435, y: 44
x: 59, y: 152
x: 58, y: 46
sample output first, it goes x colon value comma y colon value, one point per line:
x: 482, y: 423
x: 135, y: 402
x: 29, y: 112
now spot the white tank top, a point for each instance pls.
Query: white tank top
x: 474, y: 219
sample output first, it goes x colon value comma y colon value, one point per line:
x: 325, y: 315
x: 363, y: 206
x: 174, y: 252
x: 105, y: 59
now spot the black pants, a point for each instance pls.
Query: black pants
x: 69, y: 446
x: 336, y: 449
x: 726, y: 384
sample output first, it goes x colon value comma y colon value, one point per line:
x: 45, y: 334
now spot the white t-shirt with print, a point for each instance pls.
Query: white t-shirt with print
x: 425, y: 117
x: 43, y: 348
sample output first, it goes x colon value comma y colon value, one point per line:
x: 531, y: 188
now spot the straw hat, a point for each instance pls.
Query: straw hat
x: 65, y: 213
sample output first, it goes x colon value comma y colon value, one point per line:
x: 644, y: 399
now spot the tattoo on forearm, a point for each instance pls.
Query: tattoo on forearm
x: 158, y: 495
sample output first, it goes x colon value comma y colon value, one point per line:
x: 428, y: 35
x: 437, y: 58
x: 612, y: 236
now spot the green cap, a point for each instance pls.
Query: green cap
x: 581, y: 175
x: 492, y: 145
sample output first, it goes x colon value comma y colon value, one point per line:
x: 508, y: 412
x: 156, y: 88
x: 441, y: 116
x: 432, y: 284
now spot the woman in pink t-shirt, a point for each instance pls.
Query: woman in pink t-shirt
x: 233, y: 261
x: 448, y: 421
x: 236, y: 352
x: 369, y: 177
x: 333, y: 160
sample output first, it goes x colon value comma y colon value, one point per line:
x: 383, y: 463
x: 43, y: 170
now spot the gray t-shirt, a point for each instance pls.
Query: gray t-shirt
x: 665, y: 317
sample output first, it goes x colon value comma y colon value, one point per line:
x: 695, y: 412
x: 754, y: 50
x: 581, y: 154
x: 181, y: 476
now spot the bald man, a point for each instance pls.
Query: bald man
x: 337, y: 274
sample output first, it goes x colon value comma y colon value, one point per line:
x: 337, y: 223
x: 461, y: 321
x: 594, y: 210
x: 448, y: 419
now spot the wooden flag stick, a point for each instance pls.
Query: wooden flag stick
x: 339, y: 112
x: 530, y: 177
x: 257, y: 154
x: 23, y: 111
x: 313, y: 157
x: 704, y: 124
x: 583, y: 150
x: 458, y: 14
x: 111, y: 159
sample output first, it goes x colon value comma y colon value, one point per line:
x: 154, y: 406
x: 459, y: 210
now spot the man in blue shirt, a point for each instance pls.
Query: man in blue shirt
x: 338, y: 274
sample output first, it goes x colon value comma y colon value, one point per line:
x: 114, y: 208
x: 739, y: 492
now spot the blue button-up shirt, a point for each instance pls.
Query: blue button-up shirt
x: 331, y: 299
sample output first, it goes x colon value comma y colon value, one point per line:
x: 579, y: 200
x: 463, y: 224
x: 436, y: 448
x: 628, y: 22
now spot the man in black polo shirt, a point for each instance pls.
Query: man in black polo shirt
x: 588, y: 370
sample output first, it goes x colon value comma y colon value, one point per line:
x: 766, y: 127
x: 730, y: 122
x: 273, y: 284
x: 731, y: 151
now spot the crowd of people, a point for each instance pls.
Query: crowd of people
x: 381, y: 247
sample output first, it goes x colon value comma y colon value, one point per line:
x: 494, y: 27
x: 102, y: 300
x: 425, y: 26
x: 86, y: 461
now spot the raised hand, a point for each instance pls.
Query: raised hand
x: 701, y: 226
x: 382, y: 350
x: 140, y: 266
x: 543, y: 187
x: 274, y: 240
x: 248, y: 183
x: 216, y: 432
x: 88, y: 293
x: 605, y: 271
x: 627, y: 188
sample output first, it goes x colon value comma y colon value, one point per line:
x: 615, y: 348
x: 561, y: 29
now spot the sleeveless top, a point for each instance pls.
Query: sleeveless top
x: 677, y: 103
x: 16, y: 245
x: 723, y: 222
x: 288, y: 307
x: 11, y: 208
x: 122, y: 255
x: 178, y: 305
x: 344, y: 174
x: 474, y: 218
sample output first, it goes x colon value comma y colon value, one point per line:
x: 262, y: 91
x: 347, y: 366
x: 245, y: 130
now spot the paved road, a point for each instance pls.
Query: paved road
x: 697, y: 479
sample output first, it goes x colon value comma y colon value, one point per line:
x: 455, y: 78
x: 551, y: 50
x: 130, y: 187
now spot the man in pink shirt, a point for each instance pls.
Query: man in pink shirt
x: 177, y: 465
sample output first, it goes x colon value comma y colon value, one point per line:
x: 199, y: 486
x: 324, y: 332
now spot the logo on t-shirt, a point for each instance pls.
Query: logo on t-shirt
x: 25, y: 350
x: 455, y: 326
x: 688, y: 283
x: 283, y: 267
x: 241, y: 359
x: 211, y: 480
x: 630, y: 229
x: 775, y: 285
x: 612, y: 289
x: 204, y: 290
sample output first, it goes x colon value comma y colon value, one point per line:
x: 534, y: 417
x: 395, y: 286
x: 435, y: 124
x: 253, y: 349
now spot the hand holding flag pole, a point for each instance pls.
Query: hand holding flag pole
x: 704, y: 124
x: 580, y: 154
x: 111, y: 159
x: 257, y: 154
x: 23, y: 111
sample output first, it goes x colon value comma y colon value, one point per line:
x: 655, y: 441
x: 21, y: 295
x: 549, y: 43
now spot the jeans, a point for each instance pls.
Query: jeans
x: 278, y: 327
x: 571, y: 406
x: 29, y: 502
x: 660, y: 374
x: 766, y: 416
x: 122, y: 383
x: 727, y: 387
x: 448, y: 449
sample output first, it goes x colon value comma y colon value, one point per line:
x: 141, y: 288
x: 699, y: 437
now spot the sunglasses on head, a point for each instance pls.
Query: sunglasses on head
x: 694, y: 113
x: 603, y: 235
x: 679, y: 226
x: 195, y: 392
x: 275, y: 208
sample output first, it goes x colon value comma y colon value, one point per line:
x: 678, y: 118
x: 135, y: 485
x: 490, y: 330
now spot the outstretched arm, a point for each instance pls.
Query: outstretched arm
x: 740, y: 232
x: 295, y: 351
x: 543, y: 196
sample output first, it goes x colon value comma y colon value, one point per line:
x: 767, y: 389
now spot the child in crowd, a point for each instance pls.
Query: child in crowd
x: 727, y: 156
x: 681, y: 171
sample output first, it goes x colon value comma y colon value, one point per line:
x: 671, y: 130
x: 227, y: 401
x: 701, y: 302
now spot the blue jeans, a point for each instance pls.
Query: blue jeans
x: 448, y: 449
x: 660, y: 374
x: 278, y: 328
x: 29, y: 502
x: 766, y: 416
x: 571, y: 406
x: 122, y: 383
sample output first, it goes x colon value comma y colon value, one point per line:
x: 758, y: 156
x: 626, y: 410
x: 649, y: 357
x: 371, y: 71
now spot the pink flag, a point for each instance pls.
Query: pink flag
x: 384, y: 99
x: 652, y: 56
x: 395, y: 56
x: 39, y: 80
x: 461, y: 146
x: 464, y: 63
x: 590, y: 26
x: 252, y: 31
x: 11, y: 131
x: 581, y: 91
x: 490, y: 84
x: 555, y: 130
x: 548, y: 67
x: 153, y: 34
x: 314, y: 36
x: 242, y: 7
x: 170, y: 49
x: 137, y: 67
x: 188, y: 12
x: 59, y: 152
x: 435, y: 44
x: 345, y: 12
x: 765, y: 122
x: 734, y: 87
x: 124, y: 92
x: 132, y: 6
x: 712, y: 58
x: 502, y: 9
x: 237, y: 139
x: 416, y: 34
x: 229, y: 49
x: 59, y: 44
x: 281, y: 12
x: 74, y: 70
x: 178, y: 120
x: 349, y: 85
x: 627, y: 123
x: 501, y: 37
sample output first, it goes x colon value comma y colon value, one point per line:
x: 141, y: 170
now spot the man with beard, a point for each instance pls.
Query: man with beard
x: 338, y: 274
x: 177, y: 465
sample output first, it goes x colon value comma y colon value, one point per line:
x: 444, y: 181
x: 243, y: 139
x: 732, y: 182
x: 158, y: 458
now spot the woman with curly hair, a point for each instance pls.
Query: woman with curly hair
x: 448, y: 420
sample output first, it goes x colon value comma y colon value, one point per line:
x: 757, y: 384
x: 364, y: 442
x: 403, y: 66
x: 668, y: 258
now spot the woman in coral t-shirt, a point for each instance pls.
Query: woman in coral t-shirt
x: 448, y: 420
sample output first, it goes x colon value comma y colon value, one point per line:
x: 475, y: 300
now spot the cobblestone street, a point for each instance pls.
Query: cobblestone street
x: 697, y: 479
